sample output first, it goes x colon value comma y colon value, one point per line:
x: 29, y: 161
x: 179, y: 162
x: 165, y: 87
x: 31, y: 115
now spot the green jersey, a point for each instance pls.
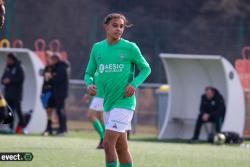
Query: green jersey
x: 116, y: 67
x: 98, y: 83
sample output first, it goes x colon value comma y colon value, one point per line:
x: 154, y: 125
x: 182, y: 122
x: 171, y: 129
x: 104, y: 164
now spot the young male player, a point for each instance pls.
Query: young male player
x: 115, y: 58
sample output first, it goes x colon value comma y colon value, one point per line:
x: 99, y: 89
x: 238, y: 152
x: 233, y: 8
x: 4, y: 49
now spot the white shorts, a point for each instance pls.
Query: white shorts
x: 118, y: 119
x: 96, y: 104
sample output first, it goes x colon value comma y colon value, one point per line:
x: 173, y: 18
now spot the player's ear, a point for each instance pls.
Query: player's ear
x: 105, y: 27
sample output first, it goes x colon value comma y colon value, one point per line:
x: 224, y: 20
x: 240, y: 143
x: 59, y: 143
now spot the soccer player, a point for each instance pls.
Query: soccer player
x: 115, y: 58
x: 95, y: 112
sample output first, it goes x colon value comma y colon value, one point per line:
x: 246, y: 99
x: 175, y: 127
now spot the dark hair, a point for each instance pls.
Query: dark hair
x: 111, y: 16
x: 12, y: 56
x: 55, y: 57
x: 214, y: 90
x: 209, y: 88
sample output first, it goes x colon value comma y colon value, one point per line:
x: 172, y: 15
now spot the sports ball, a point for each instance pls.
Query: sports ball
x: 219, y: 139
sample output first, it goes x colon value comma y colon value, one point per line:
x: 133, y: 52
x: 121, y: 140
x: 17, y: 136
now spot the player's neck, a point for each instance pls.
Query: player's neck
x: 112, y: 41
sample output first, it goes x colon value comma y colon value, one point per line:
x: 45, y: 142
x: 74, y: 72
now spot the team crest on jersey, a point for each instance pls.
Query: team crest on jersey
x: 122, y: 56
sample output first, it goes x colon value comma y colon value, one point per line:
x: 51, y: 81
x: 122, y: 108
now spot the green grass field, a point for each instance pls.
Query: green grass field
x: 78, y: 149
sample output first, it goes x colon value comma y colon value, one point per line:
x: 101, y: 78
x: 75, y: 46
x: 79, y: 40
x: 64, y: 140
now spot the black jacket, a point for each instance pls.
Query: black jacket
x: 47, y: 84
x: 215, y: 107
x: 13, y: 90
x: 60, y: 80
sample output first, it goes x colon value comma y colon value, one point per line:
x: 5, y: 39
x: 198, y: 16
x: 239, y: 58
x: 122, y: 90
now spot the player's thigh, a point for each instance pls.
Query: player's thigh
x: 111, y: 137
x: 100, y: 116
x: 122, y: 143
x: 92, y: 114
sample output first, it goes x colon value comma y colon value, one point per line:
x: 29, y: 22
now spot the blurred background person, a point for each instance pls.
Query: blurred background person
x: 2, y: 13
x: 60, y: 83
x: 47, y: 93
x: 2, y: 18
x: 12, y: 80
x: 212, y: 109
x: 95, y: 111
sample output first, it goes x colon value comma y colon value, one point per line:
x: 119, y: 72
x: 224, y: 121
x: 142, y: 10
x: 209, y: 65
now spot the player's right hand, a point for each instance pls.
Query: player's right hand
x: 129, y: 91
x: 92, y: 90
x: 205, y: 117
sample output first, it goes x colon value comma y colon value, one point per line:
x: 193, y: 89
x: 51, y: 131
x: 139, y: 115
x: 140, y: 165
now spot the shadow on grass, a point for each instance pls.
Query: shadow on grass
x: 174, y: 141
x: 179, y: 141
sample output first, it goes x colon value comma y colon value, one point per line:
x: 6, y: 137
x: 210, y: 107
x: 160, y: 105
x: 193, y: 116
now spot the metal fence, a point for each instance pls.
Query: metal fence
x: 145, y: 118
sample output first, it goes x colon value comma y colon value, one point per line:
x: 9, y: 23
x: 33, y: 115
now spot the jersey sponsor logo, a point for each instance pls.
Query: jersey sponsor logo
x: 108, y: 68
x: 101, y: 68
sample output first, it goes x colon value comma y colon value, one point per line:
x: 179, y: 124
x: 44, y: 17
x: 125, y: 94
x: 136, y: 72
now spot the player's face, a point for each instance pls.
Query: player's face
x: 209, y: 94
x: 49, y: 60
x: 54, y: 60
x: 9, y: 61
x: 115, y: 28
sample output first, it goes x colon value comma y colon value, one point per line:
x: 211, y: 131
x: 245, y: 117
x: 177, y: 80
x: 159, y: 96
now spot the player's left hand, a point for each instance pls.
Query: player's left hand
x: 129, y: 91
x: 85, y: 98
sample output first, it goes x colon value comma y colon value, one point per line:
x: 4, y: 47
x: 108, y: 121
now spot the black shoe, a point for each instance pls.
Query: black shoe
x: 193, y: 141
x: 60, y: 133
x: 100, y: 145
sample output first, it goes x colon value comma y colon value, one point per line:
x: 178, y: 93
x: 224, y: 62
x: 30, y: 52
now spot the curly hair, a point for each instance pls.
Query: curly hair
x: 111, y: 16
